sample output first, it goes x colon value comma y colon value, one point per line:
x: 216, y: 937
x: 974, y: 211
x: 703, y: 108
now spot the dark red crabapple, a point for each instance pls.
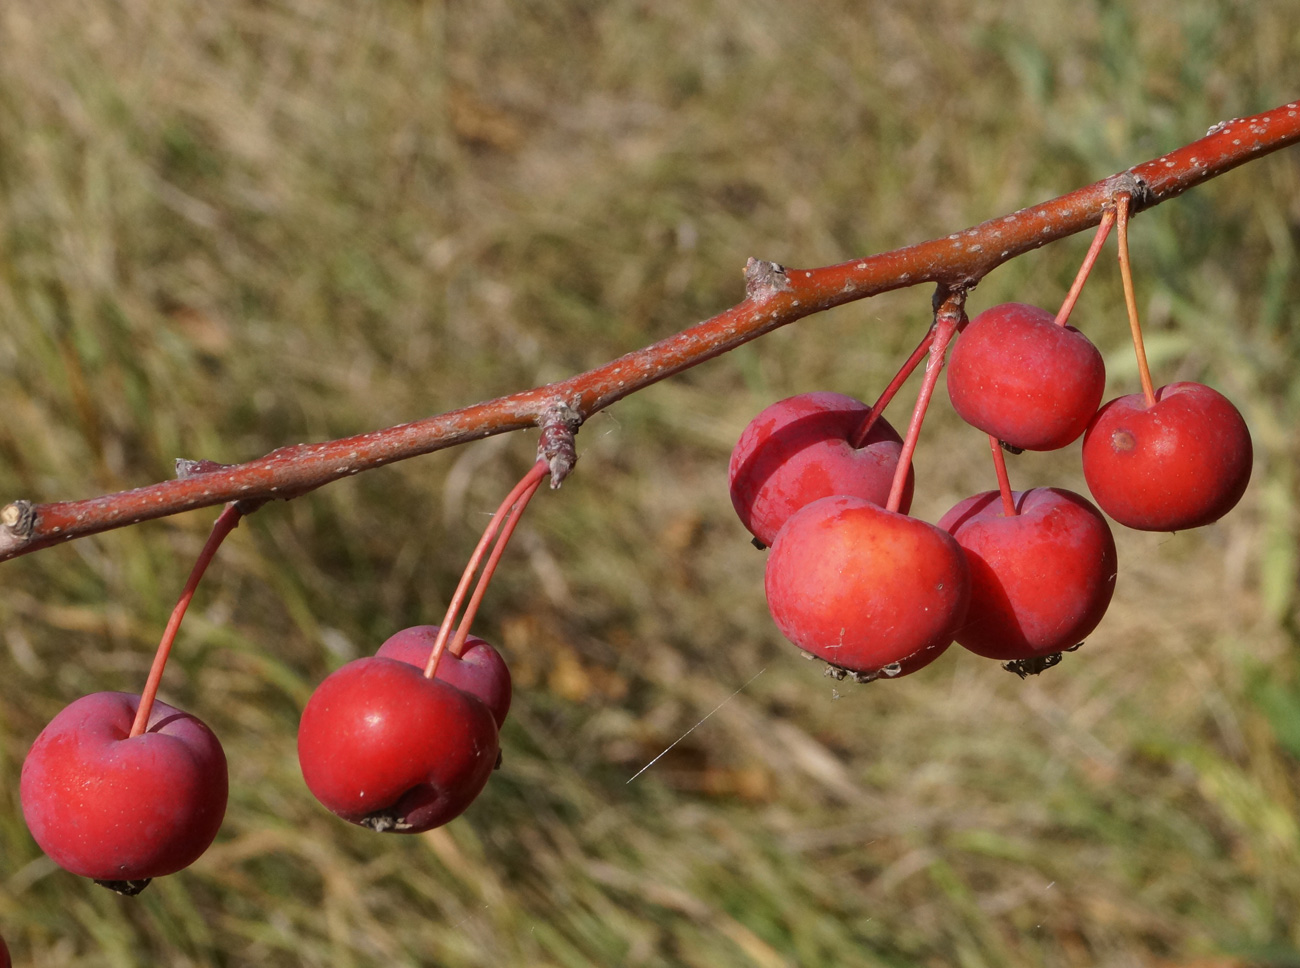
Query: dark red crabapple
x: 1015, y: 374
x: 5, y: 960
x: 868, y: 590
x: 117, y: 808
x: 797, y: 450
x: 479, y: 670
x: 384, y: 747
x: 1181, y: 463
x: 1040, y: 579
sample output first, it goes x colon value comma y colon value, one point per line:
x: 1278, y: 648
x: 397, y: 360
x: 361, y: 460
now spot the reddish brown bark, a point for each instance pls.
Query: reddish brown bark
x: 775, y: 297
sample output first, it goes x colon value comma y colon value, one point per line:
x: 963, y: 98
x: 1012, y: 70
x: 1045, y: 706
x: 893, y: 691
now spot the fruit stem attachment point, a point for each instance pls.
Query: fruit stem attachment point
x: 226, y: 522
x: 556, y: 444
x: 1085, y: 269
x: 905, y: 371
x: 1130, y: 298
x: 949, y: 314
x: 1004, y: 482
x: 527, y: 485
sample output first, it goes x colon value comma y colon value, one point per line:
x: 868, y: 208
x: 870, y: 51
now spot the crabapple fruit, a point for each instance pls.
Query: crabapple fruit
x: 5, y: 960
x: 870, y: 591
x: 1181, y: 463
x: 383, y: 746
x: 122, y: 809
x: 799, y: 450
x: 1041, y: 579
x: 479, y: 670
x: 1032, y: 384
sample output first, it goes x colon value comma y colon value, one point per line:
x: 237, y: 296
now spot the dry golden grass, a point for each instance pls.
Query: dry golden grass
x: 229, y: 227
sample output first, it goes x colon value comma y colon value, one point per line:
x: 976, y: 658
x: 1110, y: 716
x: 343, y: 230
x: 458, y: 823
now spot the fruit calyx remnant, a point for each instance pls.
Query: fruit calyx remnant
x: 126, y: 888
x: 1025, y: 668
x: 839, y: 673
x: 384, y: 821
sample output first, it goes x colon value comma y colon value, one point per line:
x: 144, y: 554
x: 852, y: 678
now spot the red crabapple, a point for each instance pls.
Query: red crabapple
x: 1181, y: 463
x: 870, y: 591
x: 798, y: 450
x: 122, y: 809
x: 5, y: 960
x: 1040, y: 579
x: 382, y: 746
x: 1015, y: 374
x: 479, y: 670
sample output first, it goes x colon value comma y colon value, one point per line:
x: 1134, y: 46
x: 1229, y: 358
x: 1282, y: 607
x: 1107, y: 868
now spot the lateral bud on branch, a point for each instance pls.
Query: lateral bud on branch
x: 557, y: 445
x: 764, y: 279
x: 186, y: 468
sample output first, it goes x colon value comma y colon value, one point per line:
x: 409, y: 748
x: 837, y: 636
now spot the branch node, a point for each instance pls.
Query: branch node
x: 19, y: 519
x: 557, y: 445
x: 764, y: 279
x: 1135, y: 186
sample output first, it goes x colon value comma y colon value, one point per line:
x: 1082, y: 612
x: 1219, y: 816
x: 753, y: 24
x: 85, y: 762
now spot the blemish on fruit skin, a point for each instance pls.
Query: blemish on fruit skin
x: 1123, y: 441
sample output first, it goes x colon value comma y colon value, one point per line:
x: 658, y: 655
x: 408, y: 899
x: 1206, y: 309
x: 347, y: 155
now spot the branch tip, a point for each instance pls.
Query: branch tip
x: 19, y: 518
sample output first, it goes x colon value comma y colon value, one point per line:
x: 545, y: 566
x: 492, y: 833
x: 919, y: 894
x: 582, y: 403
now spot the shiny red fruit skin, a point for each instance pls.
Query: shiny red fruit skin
x: 479, y: 670
x: 797, y: 451
x: 1041, y: 580
x: 1182, y: 463
x: 113, y: 807
x: 865, y: 588
x: 5, y: 960
x: 377, y: 737
x: 1015, y: 374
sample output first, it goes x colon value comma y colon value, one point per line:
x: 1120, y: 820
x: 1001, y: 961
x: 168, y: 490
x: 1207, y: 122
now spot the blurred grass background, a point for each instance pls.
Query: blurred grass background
x: 229, y: 227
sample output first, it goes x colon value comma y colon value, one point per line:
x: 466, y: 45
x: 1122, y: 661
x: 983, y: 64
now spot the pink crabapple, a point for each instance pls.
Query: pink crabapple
x: 1181, y: 463
x: 799, y: 449
x: 123, y: 809
x: 383, y: 746
x: 870, y: 591
x: 1017, y: 375
x: 1041, y: 579
x: 479, y: 670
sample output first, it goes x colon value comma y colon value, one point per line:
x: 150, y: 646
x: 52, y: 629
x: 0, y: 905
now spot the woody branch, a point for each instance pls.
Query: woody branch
x: 775, y: 297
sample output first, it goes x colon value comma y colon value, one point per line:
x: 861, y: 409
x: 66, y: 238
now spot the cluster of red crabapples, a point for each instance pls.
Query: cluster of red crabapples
x: 122, y: 788
x: 1021, y: 577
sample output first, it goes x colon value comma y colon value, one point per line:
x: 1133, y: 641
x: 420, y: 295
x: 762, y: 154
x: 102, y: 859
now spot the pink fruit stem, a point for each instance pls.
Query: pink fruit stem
x: 1004, y: 482
x: 535, y: 474
x: 946, y: 319
x: 457, y: 645
x: 1089, y: 260
x: 899, y: 379
x: 1130, y: 298
x: 226, y: 522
